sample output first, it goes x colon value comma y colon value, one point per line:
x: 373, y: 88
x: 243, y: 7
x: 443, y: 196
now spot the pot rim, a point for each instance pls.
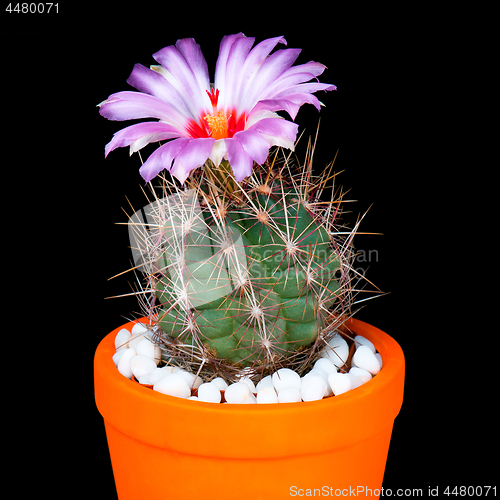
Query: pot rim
x: 145, y: 414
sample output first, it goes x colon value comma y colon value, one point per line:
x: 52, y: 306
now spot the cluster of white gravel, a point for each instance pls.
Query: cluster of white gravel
x: 137, y: 356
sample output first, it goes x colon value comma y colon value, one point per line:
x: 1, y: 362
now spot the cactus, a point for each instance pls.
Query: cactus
x: 245, y: 278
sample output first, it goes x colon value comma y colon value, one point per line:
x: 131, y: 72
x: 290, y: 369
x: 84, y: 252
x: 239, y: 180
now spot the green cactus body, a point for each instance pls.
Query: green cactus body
x: 252, y: 286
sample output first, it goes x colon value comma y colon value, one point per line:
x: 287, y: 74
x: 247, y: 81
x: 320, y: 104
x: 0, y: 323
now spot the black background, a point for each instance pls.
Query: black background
x: 382, y: 120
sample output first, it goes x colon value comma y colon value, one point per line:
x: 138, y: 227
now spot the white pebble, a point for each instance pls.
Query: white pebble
x: 159, y: 373
x: 145, y: 379
x: 209, y: 392
x: 321, y: 373
x: 265, y: 382
x: 325, y: 365
x: 361, y: 374
x: 147, y: 348
x: 313, y: 387
x: 139, y: 329
x: 197, y: 382
x: 364, y: 358
x: 138, y: 332
x: 124, y: 362
x: 173, y: 385
x: 336, y: 351
x: 192, y: 380
x: 141, y: 365
x: 122, y: 338
x: 193, y: 398
x: 289, y: 395
x: 379, y: 357
x: 267, y: 395
x: 355, y: 381
x: 249, y: 382
x: 239, y: 393
x: 220, y: 383
x: 359, y: 340
x: 285, y: 378
x: 117, y: 355
x: 340, y: 383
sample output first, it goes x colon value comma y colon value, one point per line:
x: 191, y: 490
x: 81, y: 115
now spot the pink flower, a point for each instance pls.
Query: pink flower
x: 234, y: 119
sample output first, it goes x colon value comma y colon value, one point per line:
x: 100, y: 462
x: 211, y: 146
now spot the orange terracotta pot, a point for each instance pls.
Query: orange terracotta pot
x: 163, y: 447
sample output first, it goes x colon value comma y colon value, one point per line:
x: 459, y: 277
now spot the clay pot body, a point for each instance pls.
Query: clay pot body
x: 163, y: 447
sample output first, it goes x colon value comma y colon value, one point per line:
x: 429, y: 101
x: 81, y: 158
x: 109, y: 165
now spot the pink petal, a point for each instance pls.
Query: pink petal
x: 151, y: 82
x: 275, y: 105
x: 161, y: 158
x: 295, y: 84
x: 277, y: 127
x: 132, y: 105
x: 236, y: 66
x: 193, y: 155
x: 285, y: 82
x: 260, y: 52
x: 192, y: 53
x: 186, y: 76
x: 305, y: 88
x: 266, y: 74
x: 220, y: 67
x: 146, y: 132
x: 231, y: 90
x: 240, y: 161
x: 313, y: 67
x: 254, y: 145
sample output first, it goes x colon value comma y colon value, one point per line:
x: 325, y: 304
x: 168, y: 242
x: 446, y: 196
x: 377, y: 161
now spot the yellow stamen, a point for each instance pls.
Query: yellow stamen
x: 217, y: 124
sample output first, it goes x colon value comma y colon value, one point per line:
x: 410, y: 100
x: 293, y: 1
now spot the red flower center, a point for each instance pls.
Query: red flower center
x: 219, y: 124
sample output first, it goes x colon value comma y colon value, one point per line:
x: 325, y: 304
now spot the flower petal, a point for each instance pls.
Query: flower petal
x: 240, y: 161
x: 131, y: 105
x: 308, y: 88
x: 138, y: 135
x: 192, y: 53
x: 161, y: 158
x: 313, y: 67
x: 278, y: 131
x: 256, y: 146
x: 265, y: 75
x: 185, y: 73
x: 222, y: 60
x: 260, y: 52
x: 295, y: 84
x: 273, y: 105
x: 231, y: 88
x: 151, y: 82
x: 305, y: 71
x: 193, y: 155
x: 236, y: 66
x: 218, y: 151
